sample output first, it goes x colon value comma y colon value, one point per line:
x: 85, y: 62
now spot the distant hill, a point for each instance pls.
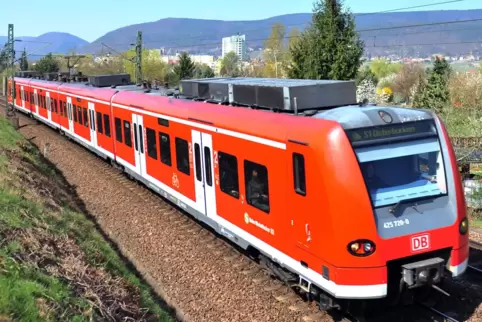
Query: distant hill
x: 60, y: 42
x: 205, y: 35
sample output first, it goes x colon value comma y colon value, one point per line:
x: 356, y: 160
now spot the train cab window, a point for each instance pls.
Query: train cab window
x: 228, y: 174
x: 151, y: 143
x: 107, y: 125
x: 127, y: 134
x: 118, y: 130
x: 256, y: 182
x: 165, y: 148
x: 182, y: 156
x: 86, y: 119
x: 100, y: 129
x: 299, y: 174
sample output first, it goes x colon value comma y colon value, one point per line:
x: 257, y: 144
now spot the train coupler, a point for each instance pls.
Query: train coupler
x: 426, y: 272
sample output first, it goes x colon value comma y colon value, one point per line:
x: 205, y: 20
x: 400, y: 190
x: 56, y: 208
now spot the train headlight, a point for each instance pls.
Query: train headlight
x: 361, y: 247
x: 464, y: 226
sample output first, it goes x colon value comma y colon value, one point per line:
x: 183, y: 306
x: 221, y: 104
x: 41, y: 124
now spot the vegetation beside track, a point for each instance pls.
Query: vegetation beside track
x: 55, y: 265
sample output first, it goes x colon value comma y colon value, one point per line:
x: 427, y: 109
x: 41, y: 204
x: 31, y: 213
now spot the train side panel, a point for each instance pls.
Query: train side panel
x: 250, y: 192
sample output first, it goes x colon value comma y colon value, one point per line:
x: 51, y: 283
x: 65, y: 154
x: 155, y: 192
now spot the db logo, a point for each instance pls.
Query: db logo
x: 420, y: 243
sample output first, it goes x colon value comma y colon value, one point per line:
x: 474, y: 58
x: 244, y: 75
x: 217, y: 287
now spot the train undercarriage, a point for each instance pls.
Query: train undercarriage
x: 409, y: 279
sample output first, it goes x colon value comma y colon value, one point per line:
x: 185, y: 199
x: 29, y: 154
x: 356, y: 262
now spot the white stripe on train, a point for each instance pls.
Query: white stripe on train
x: 275, y: 144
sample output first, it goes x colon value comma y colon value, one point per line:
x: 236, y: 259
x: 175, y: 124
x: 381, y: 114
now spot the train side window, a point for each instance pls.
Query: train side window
x: 165, y: 148
x: 107, y: 125
x: 86, y: 119
x: 127, y: 134
x: 151, y: 143
x: 79, y: 110
x: 299, y: 174
x: 197, y: 161
x: 182, y: 156
x: 118, y: 130
x: 74, y: 110
x: 56, y: 108
x: 100, y: 129
x: 141, y: 139
x: 256, y: 182
x: 228, y: 172
x: 207, y: 166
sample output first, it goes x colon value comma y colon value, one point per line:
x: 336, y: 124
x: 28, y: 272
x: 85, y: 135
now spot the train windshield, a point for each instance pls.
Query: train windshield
x: 402, y: 171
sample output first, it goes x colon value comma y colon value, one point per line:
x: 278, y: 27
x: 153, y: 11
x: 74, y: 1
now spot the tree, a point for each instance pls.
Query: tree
x: 23, y: 61
x: 229, y: 65
x: 47, y: 64
x: 185, y: 68
x: 405, y: 80
x: 203, y: 71
x: 275, y: 50
x: 436, y: 93
x: 366, y: 74
x: 382, y: 68
x: 330, y: 48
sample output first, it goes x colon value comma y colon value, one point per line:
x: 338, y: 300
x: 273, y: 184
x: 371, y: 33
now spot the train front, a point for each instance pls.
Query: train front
x: 411, y: 180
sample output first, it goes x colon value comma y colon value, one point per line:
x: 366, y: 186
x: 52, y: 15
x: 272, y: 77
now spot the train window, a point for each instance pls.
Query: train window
x: 86, y: 119
x: 207, y: 158
x: 75, y: 112
x: 299, y: 173
x: 118, y: 130
x: 100, y: 128
x: 141, y: 139
x: 79, y: 110
x: 197, y: 161
x: 228, y: 172
x: 107, y: 125
x: 56, y: 109
x: 182, y: 156
x: 256, y: 181
x: 151, y: 143
x: 135, y: 137
x: 162, y: 121
x: 127, y: 134
x: 165, y: 148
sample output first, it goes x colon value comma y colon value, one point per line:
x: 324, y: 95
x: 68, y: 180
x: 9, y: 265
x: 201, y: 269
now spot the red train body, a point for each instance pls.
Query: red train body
x: 321, y: 219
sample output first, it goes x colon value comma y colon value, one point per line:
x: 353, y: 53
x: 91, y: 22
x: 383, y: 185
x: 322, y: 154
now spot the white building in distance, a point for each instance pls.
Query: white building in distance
x: 236, y: 43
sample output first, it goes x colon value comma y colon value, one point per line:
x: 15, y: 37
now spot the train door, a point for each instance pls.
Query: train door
x: 70, y: 115
x: 22, y: 94
x: 49, y: 106
x: 93, y: 134
x: 139, y: 152
x: 36, y: 100
x: 203, y: 166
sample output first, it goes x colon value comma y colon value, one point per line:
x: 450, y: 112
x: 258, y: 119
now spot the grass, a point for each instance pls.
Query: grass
x: 54, y: 263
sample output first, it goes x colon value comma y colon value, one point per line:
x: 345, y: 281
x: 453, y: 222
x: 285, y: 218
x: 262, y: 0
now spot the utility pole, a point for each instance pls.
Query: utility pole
x: 11, y: 115
x: 70, y: 66
x: 139, y: 77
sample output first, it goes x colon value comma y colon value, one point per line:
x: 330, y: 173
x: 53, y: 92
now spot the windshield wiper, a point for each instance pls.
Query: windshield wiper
x: 392, y: 210
x: 414, y: 206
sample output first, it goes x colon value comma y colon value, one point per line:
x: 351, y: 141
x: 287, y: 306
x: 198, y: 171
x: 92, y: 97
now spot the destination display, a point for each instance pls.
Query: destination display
x: 392, y: 131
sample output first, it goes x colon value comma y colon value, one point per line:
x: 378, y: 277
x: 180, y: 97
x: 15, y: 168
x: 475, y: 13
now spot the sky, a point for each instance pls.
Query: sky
x: 91, y: 19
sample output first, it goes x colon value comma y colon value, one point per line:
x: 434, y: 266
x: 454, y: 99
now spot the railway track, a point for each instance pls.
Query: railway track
x: 238, y: 260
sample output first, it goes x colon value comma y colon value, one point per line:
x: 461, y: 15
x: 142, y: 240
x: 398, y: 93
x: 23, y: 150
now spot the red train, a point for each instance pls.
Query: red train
x: 349, y: 201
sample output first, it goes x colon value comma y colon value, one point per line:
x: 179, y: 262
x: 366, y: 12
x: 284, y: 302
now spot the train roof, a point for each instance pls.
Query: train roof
x: 356, y: 116
x: 273, y: 125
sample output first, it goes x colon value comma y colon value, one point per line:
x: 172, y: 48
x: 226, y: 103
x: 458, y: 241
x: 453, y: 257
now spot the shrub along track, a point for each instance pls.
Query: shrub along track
x: 196, y: 271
